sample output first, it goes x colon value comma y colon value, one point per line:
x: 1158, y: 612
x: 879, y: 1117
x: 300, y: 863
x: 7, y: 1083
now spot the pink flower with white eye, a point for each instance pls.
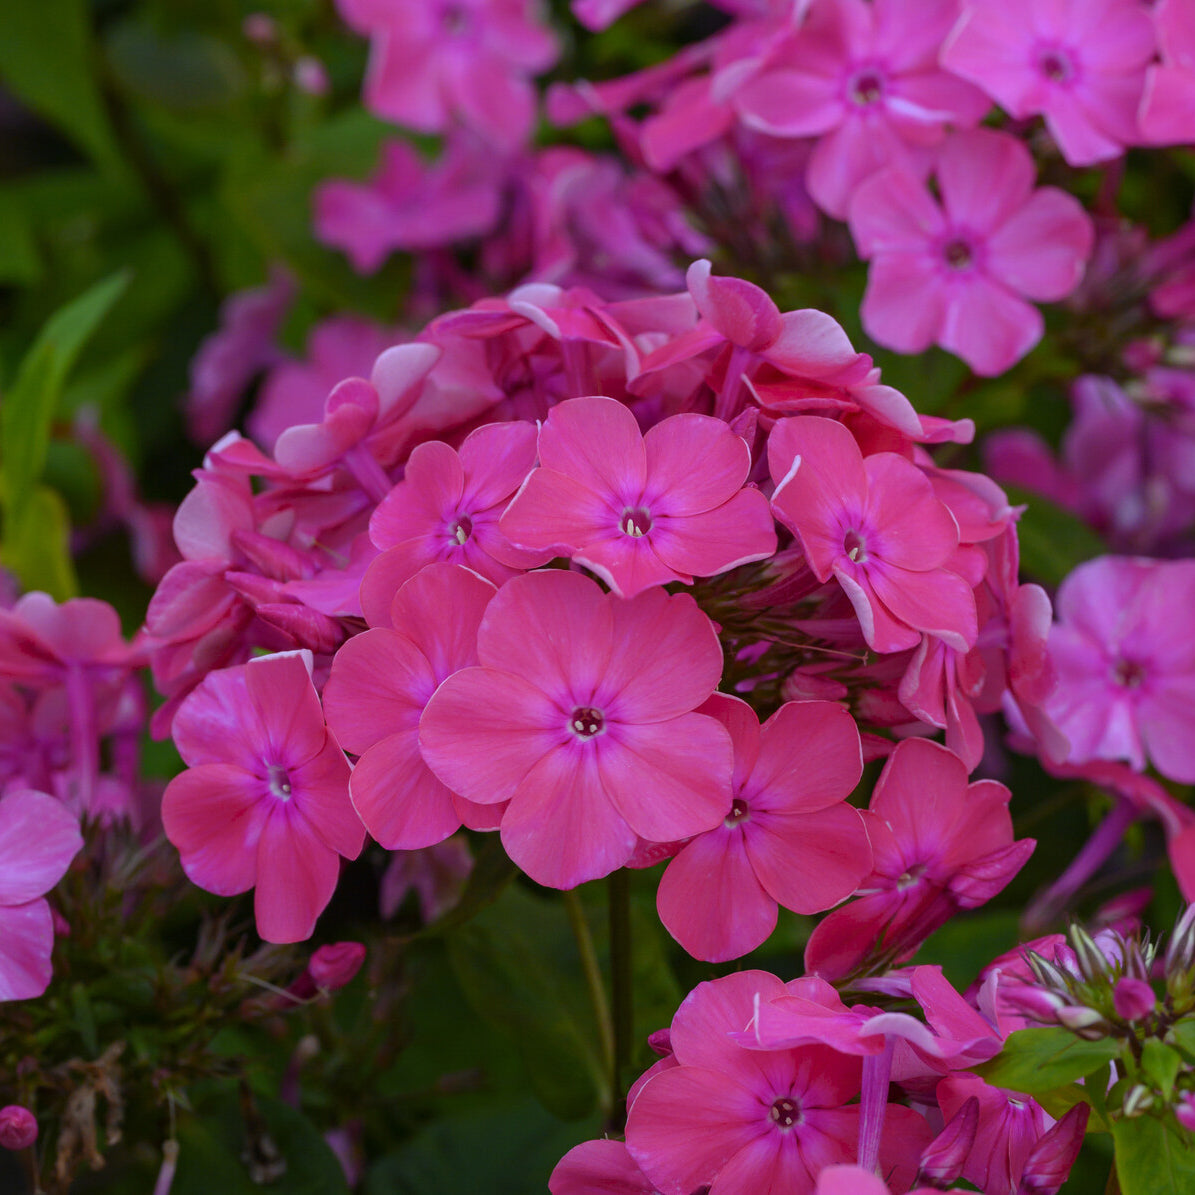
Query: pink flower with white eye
x: 38, y: 840
x: 1168, y: 106
x: 1081, y: 66
x: 380, y: 683
x: 790, y: 837
x: 1124, y: 653
x: 264, y: 803
x: 875, y: 525
x: 864, y: 79
x: 582, y: 716
x: 641, y: 510
x: 446, y: 508
x: 958, y: 273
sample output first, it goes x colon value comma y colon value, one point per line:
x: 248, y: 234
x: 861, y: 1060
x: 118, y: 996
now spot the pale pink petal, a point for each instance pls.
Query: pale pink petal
x: 904, y: 305
x: 27, y: 937
x: 703, y: 545
x: 893, y: 212
x: 296, y: 876
x: 39, y: 837
x: 396, y: 375
x: 812, y: 343
x: 710, y: 901
x: 1042, y: 249
x: 597, y: 442
x: 988, y: 326
x: 985, y: 177
x: 403, y: 805
x: 694, y: 463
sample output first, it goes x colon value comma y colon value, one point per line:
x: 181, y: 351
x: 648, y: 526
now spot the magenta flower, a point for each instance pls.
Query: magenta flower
x: 939, y: 844
x: 582, y: 716
x: 641, y: 510
x: 957, y: 274
x: 264, y: 803
x: 1124, y: 652
x: 875, y: 525
x: 433, y: 61
x: 865, y: 79
x: 447, y: 508
x: 1081, y: 66
x: 790, y: 837
x: 38, y: 840
x: 1168, y: 106
x: 754, y: 1120
x: 381, y: 681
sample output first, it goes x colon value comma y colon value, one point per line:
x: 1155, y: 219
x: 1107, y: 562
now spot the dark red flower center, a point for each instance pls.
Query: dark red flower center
x: 959, y: 255
x: 1055, y: 65
x: 1128, y: 674
x: 855, y: 546
x: 585, y: 722
x: 866, y: 88
x: 738, y: 812
x: 462, y: 529
x: 635, y: 521
x: 785, y: 1113
x: 279, y: 782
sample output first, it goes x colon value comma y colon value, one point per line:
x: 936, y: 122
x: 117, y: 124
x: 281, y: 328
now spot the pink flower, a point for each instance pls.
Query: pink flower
x: 753, y: 1120
x: 446, y: 508
x: 875, y: 525
x: 18, y: 1127
x: 1081, y: 66
x: 790, y: 837
x: 641, y: 510
x: 939, y: 843
x: 265, y: 801
x: 380, y: 683
x: 1168, y: 105
x: 38, y: 840
x: 599, y: 1166
x: 957, y: 274
x: 437, y: 873
x: 582, y: 716
x: 865, y: 79
x: 432, y: 61
x: 1124, y: 651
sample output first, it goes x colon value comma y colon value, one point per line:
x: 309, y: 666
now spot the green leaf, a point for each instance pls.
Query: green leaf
x: 1053, y: 541
x: 1182, y: 1034
x: 183, y: 70
x: 47, y: 60
x: 20, y: 262
x: 1153, y: 1157
x: 1160, y: 1065
x: 1040, y: 1060
x: 37, y: 548
x: 31, y: 402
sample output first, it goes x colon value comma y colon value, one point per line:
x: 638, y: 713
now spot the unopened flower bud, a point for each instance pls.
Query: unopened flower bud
x: 1138, y: 1100
x: 1086, y: 1022
x: 1184, y: 1110
x: 311, y: 76
x: 18, y: 1127
x: 1093, y: 964
x: 1180, y: 953
x: 260, y: 28
x: 1133, y: 999
x: 1034, y: 1003
x: 331, y: 967
x: 1050, y: 1160
x: 946, y: 1155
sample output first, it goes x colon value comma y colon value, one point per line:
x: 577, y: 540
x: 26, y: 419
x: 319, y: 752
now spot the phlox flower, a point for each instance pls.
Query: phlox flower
x: 865, y: 79
x: 264, y: 803
x: 1124, y: 653
x: 1168, y: 106
x: 641, y: 510
x: 958, y: 273
x: 581, y: 715
x: 939, y: 844
x: 790, y: 838
x: 874, y: 524
x: 447, y: 508
x: 1079, y: 63
x: 380, y: 682
x: 38, y: 839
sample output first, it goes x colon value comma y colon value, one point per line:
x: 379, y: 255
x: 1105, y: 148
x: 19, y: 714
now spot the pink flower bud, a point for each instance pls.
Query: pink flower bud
x: 1082, y: 1020
x: 1133, y: 999
x: 331, y: 967
x: 260, y: 28
x: 945, y: 1156
x: 1184, y: 1111
x: 1034, y: 1003
x: 311, y: 76
x: 1050, y: 1160
x: 18, y: 1127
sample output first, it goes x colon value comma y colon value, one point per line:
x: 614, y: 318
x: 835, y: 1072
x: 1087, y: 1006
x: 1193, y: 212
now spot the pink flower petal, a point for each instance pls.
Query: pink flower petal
x: 38, y: 839
x: 904, y: 304
x: 597, y: 442
x: 400, y: 801
x: 280, y: 688
x: 809, y: 758
x: 320, y: 794
x: 1041, y: 250
x: 296, y: 876
x: 554, y: 511
x: 440, y: 610
x: 27, y: 934
x: 431, y: 489
x: 988, y: 326
x: 703, y: 545
x: 694, y: 464
x: 985, y: 177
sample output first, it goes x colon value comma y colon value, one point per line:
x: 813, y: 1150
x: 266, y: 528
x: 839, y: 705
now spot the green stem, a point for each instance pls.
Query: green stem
x: 623, y: 992
x: 1113, y: 1187
x: 593, y: 974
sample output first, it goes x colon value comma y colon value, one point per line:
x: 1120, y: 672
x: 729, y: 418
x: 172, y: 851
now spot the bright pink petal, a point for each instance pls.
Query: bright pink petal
x: 431, y: 490
x: 713, y: 1011
x: 597, y: 442
x: 939, y: 603
x: 913, y: 528
x: 988, y: 326
x: 296, y: 876
x: 894, y: 213
x: 904, y: 305
x: 1042, y: 249
x: 440, y: 610
x: 809, y: 758
x: 320, y: 794
x: 788, y: 103
x: 628, y: 564
x: 985, y: 177
x: 398, y: 798
x: 694, y: 463
x: 555, y: 511
x: 27, y: 934
x: 280, y: 688
x: 39, y: 837
x: 603, y: 1166
x: 496, y: 459
x: 703, y: 545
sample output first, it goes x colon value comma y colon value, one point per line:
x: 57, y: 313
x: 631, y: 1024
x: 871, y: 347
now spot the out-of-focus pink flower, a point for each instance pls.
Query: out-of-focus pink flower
x: 411, y: 204
x: 1081, y: 66
x: 939, y: 844
x: 597, y: 14
x: 582, y: 716
x: 641, y: 510
x: 1125, y: 658
x: 437, y: 874
x: 18, y: 1127
x: 875, y: 525
x: 790, y: 837
x: 380, y: 683
x: 865, y: 79
x: 958, y: 273
x: 1168, y: 106
x: 333, y: 966
x: 433, y: 62
x: 264, y: 803
x: 38, y: 840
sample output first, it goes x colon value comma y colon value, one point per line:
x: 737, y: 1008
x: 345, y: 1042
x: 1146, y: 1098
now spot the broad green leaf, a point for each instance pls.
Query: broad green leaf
x: 1182, y: 1034
x: 1053, y: 541
x: 1153, y: 1157
x: 1043, y: 1059
x: 36, y: 545
x: 47, y: 60
x: 29, y: 405
x: 1160, y: 1065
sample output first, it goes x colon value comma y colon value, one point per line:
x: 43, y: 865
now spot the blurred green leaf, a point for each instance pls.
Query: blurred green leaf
x: 184, y: 71
x: 46, y: 59
x: 20, y: 262
x: 36, y: 546
x: 1153, y: 1157
x: 1053, y: 541
x: 1040, y: 1060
